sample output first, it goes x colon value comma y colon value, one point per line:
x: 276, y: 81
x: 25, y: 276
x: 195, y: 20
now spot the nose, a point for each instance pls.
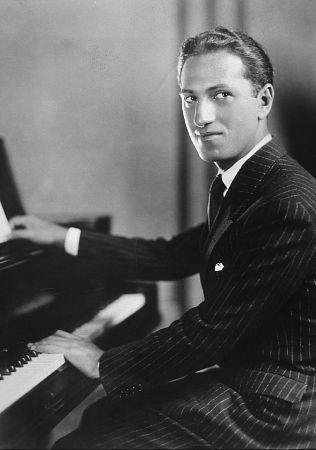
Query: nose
x: 204, y: 113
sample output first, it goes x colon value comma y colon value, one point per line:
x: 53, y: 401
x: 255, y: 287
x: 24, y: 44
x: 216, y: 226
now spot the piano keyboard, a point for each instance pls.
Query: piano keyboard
x: 35, y: 369
x: 16, y: 384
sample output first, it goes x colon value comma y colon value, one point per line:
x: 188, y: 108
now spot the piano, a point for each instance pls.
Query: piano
x: 42, y: 290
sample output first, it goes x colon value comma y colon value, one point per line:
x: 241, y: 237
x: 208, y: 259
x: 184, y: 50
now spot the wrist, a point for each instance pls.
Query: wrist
x: 60, y: 236
x: 96, y: 370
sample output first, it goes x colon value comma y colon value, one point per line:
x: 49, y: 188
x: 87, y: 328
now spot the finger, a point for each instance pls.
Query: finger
x: 63, y: 333
x: 49, y: 348
x: 44, y: 348
x: 53, y: 340
x: 21, y: 234
x: 18, y: 221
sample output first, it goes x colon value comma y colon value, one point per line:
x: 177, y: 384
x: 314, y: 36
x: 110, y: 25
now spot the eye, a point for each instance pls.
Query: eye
x: 221, y: 95
x: 188, y: 99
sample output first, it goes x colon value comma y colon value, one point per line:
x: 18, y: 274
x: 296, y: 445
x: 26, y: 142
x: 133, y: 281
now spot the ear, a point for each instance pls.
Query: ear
x: 265, y: 97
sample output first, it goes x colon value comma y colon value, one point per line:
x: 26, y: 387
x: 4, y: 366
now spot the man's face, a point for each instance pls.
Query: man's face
x: 219, y: 108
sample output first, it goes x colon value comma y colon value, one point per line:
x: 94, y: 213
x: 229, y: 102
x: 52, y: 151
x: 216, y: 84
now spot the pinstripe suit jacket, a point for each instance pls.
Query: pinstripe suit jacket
x: 257, y: 320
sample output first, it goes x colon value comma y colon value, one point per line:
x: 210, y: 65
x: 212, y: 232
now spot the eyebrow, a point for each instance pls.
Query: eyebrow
x: 209, y: 89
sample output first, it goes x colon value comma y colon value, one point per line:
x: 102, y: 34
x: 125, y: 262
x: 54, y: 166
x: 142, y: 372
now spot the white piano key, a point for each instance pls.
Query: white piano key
x: 19, y: 383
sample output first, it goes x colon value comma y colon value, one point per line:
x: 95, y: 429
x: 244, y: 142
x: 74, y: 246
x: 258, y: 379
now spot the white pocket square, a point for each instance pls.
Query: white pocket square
x: 218, y: 267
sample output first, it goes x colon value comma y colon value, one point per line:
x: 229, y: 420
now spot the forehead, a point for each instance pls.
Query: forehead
x: 211, y: 69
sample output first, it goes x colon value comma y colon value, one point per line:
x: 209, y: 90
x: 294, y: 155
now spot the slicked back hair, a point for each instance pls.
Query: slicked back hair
x: 258, y: 68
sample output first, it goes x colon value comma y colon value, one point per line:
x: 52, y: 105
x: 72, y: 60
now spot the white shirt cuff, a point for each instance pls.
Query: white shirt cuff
x: 72, y: 241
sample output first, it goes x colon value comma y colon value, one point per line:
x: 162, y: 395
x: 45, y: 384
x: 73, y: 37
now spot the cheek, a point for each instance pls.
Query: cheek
x: 242, y: 119
x: 188, y: 116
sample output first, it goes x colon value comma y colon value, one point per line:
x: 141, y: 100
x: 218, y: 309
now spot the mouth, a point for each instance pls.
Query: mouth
x: 207, y: 136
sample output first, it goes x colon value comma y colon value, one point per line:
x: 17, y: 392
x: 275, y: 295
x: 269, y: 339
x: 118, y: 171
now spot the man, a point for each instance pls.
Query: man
x: 256, y: 256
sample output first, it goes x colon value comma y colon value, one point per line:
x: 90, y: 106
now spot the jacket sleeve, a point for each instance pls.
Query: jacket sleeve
x: 144, y: 259
x: 266, y: 257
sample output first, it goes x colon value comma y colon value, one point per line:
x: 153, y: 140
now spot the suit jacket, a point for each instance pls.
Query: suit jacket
x: 257, y: 320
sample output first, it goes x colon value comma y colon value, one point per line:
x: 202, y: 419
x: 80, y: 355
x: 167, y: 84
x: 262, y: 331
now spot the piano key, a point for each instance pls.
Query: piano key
x: 15, y: 356
x: 17, y: 384
x: 4, y: 370
x: 8, y: 364
x: 29, y: 374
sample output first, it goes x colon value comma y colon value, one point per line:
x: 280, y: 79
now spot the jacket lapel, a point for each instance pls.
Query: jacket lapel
x: 244, y: 189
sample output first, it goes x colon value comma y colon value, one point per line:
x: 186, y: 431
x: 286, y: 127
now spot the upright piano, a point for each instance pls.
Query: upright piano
x: 42, y: 290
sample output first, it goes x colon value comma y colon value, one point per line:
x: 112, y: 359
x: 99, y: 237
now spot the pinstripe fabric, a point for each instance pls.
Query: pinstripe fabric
x: 257, y: 321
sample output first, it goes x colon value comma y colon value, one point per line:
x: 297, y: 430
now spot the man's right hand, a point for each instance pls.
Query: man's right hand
x: 37, y: 230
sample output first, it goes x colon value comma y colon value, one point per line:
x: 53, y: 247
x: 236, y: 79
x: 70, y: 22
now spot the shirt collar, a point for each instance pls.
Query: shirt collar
x: 229, y: 174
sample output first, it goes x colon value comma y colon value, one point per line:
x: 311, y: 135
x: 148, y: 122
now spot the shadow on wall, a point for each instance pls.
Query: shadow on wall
x: 297, y: 118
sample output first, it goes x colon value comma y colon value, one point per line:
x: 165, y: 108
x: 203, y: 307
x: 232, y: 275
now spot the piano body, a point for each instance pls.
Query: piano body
x: 42, y: 290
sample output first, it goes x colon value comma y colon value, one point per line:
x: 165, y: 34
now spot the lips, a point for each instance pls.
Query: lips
x: 208, y: 135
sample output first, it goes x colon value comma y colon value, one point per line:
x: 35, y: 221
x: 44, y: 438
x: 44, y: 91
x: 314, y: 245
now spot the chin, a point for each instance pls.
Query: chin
x: 208, y: 156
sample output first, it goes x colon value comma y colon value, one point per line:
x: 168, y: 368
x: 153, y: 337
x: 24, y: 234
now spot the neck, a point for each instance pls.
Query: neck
x: 238, y: 163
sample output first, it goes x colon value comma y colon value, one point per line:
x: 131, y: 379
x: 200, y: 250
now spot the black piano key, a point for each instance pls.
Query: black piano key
x: 17, y: 356
x: 4, y: 370
x: 17, y: 363
x: 9, y: 364
x: 30, y: 353
x: 23, y: 349
x: 23, y: 359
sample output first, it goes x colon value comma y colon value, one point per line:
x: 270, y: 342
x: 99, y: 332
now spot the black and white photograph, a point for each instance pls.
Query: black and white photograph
x: 157, y: 224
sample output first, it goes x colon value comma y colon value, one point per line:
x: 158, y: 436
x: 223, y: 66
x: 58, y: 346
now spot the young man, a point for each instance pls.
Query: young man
x: 256, y: 255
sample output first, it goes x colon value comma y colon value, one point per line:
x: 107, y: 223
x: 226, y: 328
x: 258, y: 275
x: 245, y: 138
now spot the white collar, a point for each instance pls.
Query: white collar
x: 229, y: 174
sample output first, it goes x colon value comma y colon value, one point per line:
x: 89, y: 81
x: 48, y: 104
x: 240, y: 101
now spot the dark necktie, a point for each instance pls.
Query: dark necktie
x: 215, y: 199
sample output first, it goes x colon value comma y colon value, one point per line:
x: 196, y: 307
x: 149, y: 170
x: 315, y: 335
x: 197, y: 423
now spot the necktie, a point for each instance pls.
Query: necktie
x: 215, y: 199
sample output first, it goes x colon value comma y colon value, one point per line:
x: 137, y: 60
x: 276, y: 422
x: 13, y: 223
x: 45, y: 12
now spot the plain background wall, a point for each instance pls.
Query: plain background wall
x: 87, y: 95
x: 90, y: 112
x: 287, y: 29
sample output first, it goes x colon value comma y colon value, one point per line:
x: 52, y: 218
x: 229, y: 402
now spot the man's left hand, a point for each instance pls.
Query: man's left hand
x: 83, y: 354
